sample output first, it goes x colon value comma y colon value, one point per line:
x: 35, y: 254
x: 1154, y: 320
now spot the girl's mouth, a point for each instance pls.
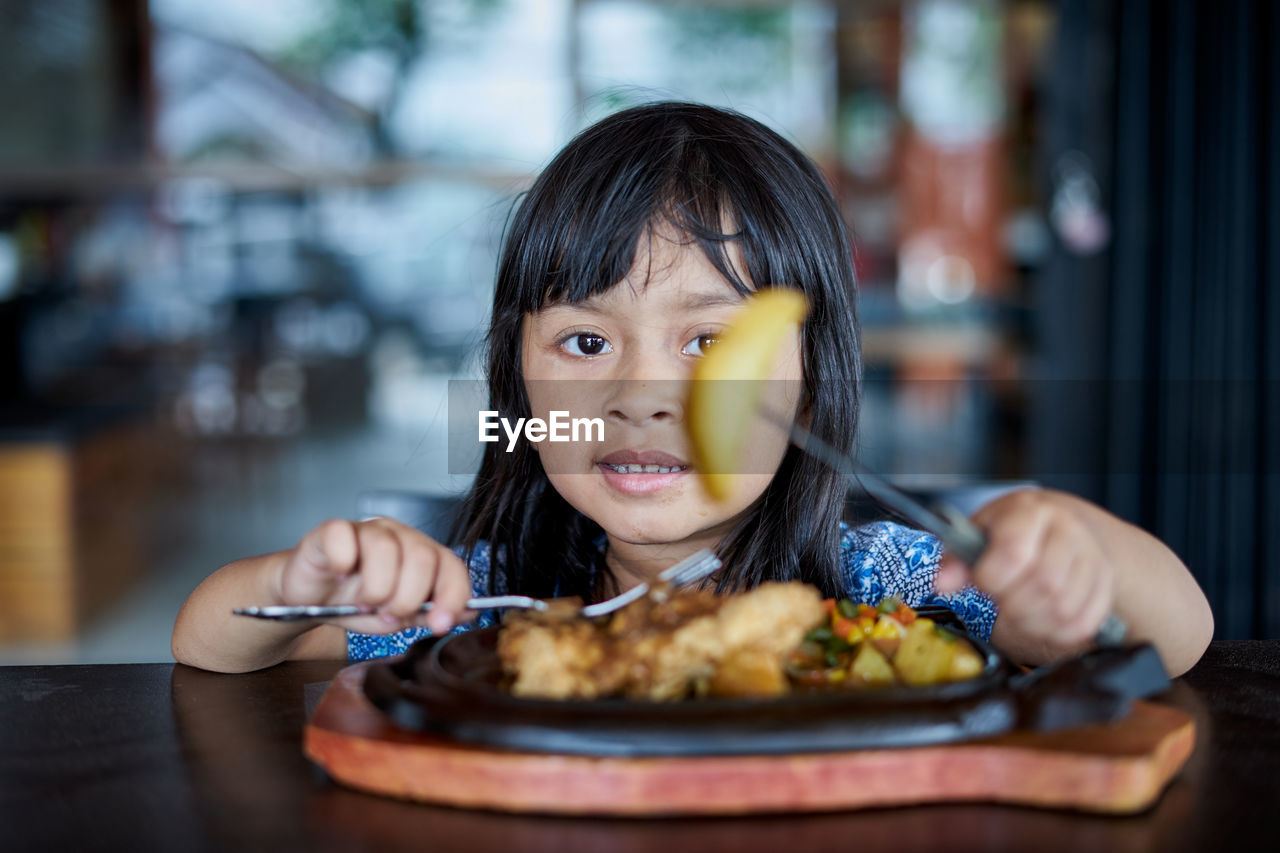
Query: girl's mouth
x: 641, y: 473
x: 641, y: 479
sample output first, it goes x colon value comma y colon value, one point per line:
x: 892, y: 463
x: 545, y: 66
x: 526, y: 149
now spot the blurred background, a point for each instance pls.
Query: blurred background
x: 244, y: 246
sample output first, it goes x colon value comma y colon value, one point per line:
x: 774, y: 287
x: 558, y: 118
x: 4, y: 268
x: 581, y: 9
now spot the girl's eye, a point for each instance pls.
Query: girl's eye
x: 699, y: 345
x: 586, y: 344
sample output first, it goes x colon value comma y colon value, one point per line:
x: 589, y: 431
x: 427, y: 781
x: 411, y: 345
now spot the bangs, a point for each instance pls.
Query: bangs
x: 577, y: 232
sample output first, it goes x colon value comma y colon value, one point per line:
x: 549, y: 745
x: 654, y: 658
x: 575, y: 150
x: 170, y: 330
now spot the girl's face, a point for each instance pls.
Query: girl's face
x: 626, y: 357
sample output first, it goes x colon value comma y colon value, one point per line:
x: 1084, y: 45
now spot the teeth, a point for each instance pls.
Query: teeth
x: 647, y: 469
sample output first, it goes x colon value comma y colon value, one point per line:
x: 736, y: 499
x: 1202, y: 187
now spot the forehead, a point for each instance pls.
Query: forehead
x: 672, y: 272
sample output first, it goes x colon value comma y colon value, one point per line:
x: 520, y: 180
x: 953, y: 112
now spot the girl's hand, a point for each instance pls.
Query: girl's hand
x: 1045, y: 568
x: 381, y: 563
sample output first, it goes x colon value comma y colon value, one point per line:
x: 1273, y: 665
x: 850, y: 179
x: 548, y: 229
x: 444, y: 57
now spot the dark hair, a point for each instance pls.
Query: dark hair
x: 575, y: 234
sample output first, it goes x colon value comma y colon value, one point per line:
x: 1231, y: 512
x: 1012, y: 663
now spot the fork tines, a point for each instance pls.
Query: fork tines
x: 695, y: 567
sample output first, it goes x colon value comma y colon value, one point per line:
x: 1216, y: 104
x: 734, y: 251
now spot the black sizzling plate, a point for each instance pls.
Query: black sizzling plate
x: 451, y: 687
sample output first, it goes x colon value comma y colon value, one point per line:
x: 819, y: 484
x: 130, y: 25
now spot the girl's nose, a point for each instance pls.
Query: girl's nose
x: 638, y: 401
x: 647, y: 387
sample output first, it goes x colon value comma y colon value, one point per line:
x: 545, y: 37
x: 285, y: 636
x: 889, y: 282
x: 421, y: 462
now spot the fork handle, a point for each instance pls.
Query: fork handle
x: 292, y: 613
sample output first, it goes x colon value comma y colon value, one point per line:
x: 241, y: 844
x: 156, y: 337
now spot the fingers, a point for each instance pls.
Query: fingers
x: 1014, y: 546
x: 315, y: 570
x: 449, y: 598
x: 1079, y: 584
x: 417, y: 574
x: 428, y: 571
x: 382, y: 564
x: 1081, y: 628
x: 335, y: 547
x: 1014, y: 528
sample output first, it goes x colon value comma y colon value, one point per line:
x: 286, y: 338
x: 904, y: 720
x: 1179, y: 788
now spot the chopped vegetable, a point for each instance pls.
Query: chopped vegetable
x: 871, y: 667
x: 924, y: 656
x: 965, y: 664
x: 887, y: 635
x: 900, y: 647
x: 821, y: 634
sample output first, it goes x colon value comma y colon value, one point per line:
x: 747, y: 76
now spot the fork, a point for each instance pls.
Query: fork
x: 691, y: 569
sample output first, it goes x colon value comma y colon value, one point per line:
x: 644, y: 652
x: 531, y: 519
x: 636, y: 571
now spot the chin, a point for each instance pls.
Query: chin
x: 641, y: 533
x: 641, y: 528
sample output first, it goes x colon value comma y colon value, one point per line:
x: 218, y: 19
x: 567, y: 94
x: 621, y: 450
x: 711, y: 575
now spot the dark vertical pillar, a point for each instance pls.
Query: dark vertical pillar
x: 1267, y: 319
x: 1068, y: 421
x: 1181, y: 321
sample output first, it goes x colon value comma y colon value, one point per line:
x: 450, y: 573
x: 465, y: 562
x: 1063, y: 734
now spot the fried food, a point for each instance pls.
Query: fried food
x: 672, y: 644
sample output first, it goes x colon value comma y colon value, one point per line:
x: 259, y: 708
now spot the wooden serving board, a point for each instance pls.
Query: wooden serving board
x: 1117, y: 768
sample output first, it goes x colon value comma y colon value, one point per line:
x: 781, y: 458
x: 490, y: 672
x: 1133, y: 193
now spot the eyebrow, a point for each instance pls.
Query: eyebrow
x: 711, y: 300
x: 692, y: 302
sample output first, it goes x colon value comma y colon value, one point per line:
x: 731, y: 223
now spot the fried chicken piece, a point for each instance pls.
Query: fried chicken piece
x: 774, y: 616
x: 558, y: 656
x: 750, y: 672
x: 761, y: 626
x: 663, y: 640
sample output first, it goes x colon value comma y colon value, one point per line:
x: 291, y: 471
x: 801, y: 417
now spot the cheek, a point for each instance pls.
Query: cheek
x: 785, y: 389
x: 766, y: 442
x: 578, y: 397
x: 744, y: 491
x: 561, y: 459
x: 571, y: 487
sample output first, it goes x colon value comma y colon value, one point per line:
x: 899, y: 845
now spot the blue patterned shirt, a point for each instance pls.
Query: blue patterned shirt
x: 878, y: 560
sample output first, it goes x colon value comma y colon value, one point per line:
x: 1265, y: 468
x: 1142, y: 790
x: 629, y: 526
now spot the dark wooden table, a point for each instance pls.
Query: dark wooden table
x: 160, y: 757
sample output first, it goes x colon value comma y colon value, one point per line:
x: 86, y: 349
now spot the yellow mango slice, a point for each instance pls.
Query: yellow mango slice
x: 724, y: 396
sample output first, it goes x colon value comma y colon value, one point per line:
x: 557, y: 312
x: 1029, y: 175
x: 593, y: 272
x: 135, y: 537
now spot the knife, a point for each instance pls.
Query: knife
x: 957, y: 533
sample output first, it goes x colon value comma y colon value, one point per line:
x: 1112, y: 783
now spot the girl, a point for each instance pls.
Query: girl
x: 628, y: 255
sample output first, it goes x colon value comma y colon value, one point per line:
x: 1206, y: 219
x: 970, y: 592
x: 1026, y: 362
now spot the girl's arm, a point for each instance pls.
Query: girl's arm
x: 1056, y: 565
x: 381, y: 563
x: 207, y: 635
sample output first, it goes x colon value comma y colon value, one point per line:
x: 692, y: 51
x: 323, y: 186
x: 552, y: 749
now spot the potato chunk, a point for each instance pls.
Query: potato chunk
x: 924, y: 657
x: 751, y: 672
x: 871, y: 667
